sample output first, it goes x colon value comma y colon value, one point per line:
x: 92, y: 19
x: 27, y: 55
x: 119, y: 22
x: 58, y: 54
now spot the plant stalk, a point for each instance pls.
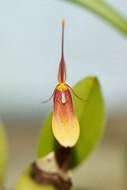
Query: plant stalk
x: 105, y: 11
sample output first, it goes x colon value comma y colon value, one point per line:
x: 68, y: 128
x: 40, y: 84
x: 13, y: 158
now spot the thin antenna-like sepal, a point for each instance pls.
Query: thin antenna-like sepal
x: 46, y: 101
x: 82, y: 99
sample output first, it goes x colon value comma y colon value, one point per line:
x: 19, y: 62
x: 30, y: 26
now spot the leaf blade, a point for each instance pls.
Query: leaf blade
x: 46, y: 138
x: 105, y: 11
x: 91, y: 120
x: 87, y: 88
x: 3, y: 154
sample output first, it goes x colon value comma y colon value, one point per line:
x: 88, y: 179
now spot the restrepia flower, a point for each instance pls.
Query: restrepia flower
x: 65, y: 125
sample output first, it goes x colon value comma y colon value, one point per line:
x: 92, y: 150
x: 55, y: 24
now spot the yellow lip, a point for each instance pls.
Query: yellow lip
x: 65, y: 125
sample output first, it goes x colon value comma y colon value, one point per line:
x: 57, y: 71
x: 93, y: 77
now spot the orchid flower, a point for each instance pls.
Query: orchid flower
x: 65, y: 125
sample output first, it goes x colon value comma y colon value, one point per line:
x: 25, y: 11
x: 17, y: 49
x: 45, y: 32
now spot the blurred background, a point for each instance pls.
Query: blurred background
x: 30, y: 49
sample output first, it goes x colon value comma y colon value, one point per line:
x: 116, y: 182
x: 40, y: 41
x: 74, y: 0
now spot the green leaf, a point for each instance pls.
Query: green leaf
x: 47, y: 142
x: 105, y: 11
x: 3, y: 154
x: 26, y: 182
x: 91, y: 118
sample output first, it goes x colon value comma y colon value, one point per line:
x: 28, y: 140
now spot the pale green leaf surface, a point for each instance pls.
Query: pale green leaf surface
x: 105, y: 11
x: 26, y: 182
x: 3, y: 153
x: 91, y: 118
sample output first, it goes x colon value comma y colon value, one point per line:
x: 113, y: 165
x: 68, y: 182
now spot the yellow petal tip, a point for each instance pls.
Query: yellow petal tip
x: 67, y: 135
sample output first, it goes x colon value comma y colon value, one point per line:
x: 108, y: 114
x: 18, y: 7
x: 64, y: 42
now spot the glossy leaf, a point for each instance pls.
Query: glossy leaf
x: 105, y: 11
x: 91, y: 118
